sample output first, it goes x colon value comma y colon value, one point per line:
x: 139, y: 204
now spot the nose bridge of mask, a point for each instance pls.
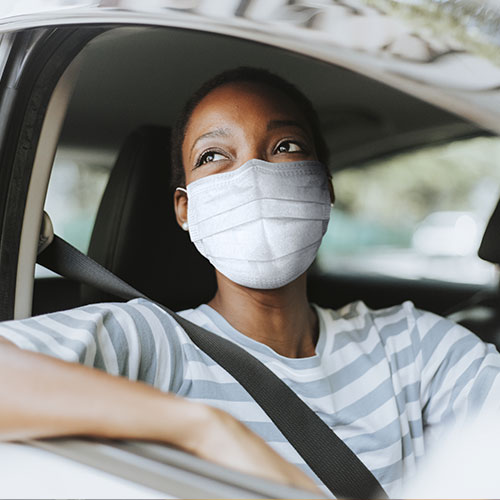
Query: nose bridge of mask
x: 239, y: 191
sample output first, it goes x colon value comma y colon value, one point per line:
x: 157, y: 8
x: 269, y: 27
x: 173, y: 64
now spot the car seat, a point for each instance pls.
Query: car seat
x: 481, y: 314
x: 136, y: 235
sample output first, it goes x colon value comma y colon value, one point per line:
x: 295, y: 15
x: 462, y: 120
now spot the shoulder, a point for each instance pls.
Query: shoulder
x: 399, y: 326
x: 137, y: 319
x: 120, y: 338
x: 357, y: 318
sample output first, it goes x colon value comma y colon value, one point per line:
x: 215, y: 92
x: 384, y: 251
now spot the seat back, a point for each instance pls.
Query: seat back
x: 481, y: 314
x: 136, y: 235
x: 490, y: 244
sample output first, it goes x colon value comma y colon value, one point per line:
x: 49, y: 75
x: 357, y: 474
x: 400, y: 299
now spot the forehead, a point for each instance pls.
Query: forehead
x: 242, y: 101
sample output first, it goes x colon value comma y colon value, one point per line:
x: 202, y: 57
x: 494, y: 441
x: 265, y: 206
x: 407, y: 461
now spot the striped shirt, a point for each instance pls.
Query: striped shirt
x: 388, y: 381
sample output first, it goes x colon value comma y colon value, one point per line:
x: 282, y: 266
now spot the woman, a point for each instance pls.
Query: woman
x: 256, y: 202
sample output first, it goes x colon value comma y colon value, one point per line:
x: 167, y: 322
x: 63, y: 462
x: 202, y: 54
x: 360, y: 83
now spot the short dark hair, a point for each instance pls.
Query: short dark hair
x: 247, y: 75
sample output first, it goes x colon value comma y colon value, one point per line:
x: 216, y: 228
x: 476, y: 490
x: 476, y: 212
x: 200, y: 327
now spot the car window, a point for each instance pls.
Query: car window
x: 73, y: 197
x: 416, y: 215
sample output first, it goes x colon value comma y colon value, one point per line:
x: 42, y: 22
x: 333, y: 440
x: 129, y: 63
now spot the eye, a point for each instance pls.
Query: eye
x: 209, y: 157
x: 288, y: 147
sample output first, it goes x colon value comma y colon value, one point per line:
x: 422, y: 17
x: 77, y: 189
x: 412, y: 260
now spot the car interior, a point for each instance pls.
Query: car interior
x: 132, y: 83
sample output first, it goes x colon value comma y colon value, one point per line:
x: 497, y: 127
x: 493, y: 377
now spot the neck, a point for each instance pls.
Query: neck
x: 281, y: 318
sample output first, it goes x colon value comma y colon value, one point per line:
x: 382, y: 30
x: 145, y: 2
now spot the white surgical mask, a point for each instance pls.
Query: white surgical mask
x: 260, y: 225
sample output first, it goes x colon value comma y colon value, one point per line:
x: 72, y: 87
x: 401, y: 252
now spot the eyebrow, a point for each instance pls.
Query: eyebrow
x: 274, y: 124
x: 218, y: 132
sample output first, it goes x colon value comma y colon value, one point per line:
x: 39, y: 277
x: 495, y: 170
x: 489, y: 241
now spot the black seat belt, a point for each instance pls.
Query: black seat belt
x: 325, y: 453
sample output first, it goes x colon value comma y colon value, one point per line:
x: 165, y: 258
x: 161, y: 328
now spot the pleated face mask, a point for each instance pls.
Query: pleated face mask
x: 260, y: 225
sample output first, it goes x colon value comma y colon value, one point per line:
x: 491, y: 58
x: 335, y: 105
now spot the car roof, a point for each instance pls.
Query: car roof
x: 135, y: 76
x: 453, y: 69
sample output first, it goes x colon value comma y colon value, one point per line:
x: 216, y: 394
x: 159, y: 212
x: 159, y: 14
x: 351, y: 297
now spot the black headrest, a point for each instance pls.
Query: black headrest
x: 490, y: 245
x: 136, y: 235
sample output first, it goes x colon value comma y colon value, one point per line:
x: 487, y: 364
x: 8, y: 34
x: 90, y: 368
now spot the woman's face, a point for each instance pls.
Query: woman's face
x: 240, y: 121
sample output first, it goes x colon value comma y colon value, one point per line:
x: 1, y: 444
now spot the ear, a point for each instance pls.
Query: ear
x: 181, y: 207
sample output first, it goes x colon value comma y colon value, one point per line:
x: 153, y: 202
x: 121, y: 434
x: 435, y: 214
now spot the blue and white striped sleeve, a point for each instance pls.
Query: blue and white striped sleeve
x: 460, y: 374
x: 135, y: 340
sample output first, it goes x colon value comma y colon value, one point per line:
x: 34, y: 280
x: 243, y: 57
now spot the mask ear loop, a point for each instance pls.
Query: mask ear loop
x: 185, y: 225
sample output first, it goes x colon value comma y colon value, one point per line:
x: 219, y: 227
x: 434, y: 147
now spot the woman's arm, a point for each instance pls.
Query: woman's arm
x: 46, y: 397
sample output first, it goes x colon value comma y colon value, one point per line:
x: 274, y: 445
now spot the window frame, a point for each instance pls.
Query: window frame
x: 36, y: 61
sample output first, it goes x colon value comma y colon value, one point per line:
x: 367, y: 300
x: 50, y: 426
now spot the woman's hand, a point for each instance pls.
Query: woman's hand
x: 226, y: 441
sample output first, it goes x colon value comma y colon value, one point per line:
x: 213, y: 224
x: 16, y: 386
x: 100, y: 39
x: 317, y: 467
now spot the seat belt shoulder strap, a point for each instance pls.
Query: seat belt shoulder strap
x: 325, y: 453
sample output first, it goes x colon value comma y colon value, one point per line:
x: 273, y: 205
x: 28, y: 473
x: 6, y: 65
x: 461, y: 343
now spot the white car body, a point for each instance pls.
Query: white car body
x: 435, y: 67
